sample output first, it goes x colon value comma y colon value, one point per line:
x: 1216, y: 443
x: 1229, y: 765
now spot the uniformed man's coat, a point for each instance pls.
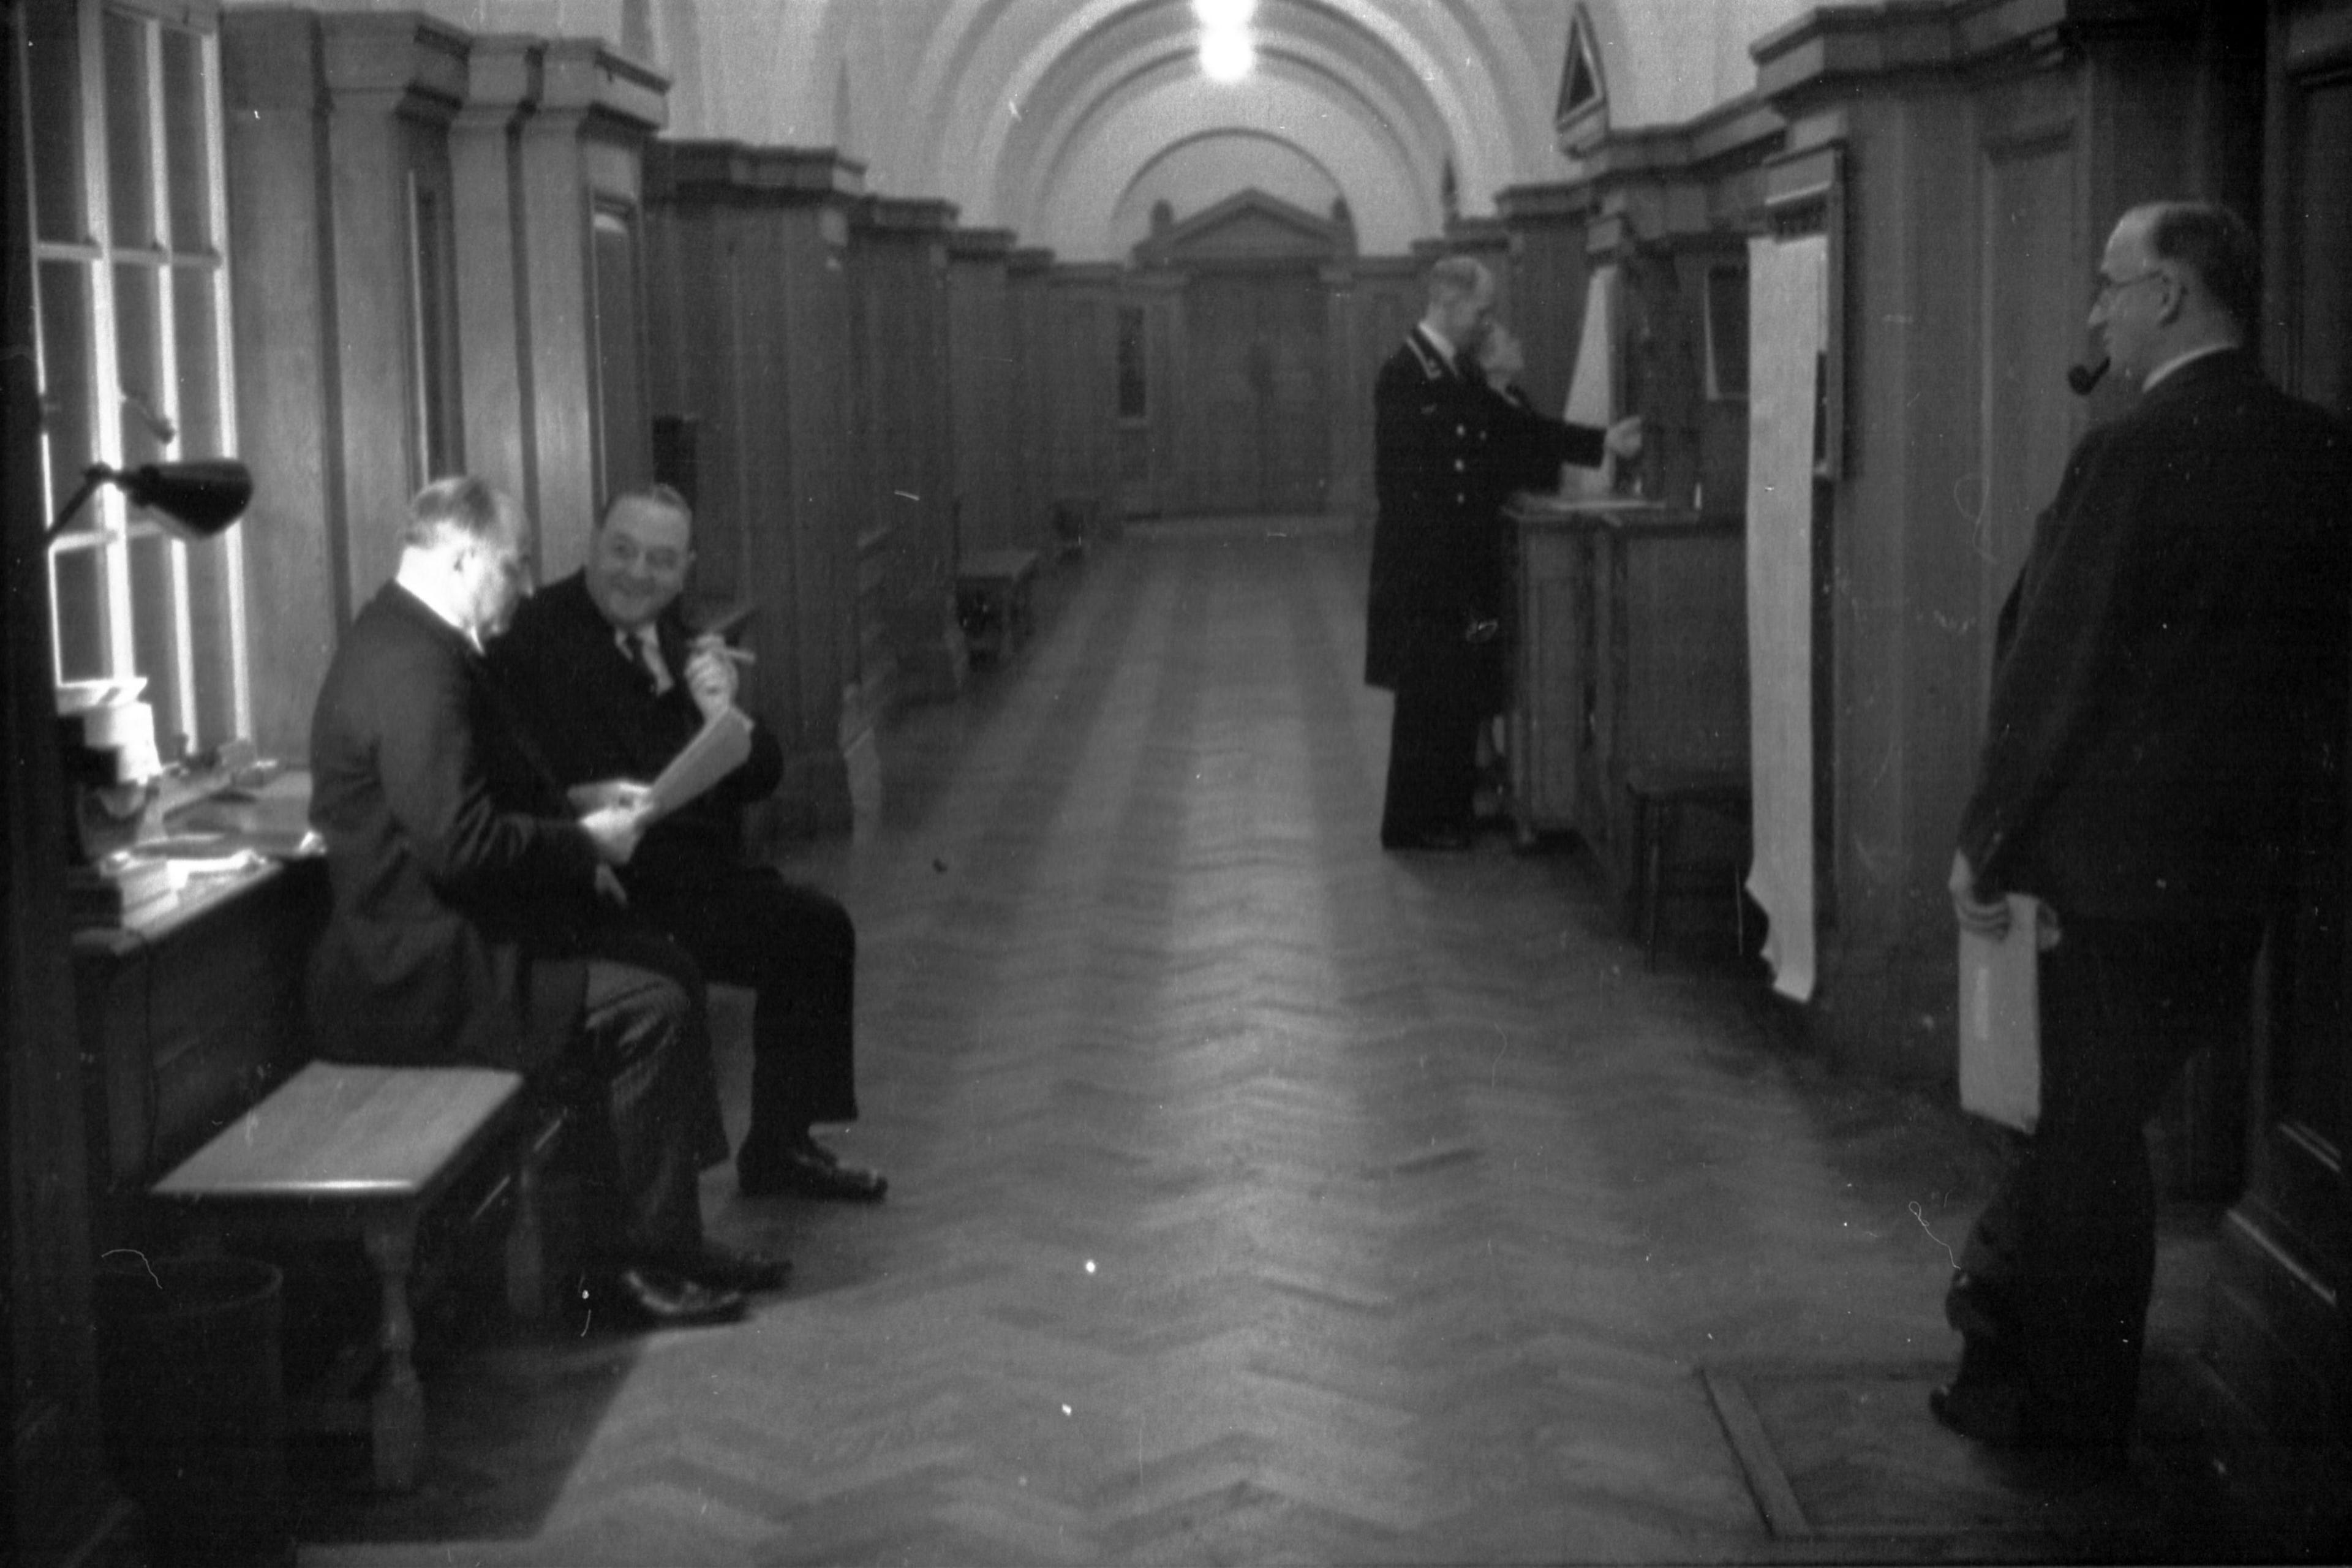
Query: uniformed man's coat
x: 1447, y: 452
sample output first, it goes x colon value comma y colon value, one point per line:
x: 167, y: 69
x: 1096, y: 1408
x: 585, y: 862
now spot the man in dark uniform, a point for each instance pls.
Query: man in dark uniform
x: 2175, y: 640
x: 467, y: 925
x: 1446, y: 450
x: 614, y: 685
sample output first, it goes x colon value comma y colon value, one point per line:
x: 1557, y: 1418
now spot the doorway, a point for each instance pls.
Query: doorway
x: 1256, y: 372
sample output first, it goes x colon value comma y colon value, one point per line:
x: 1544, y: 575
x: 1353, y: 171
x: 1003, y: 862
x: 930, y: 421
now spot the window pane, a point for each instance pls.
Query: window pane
x: 80, y: 586
x: 627, y: 439
x: 187, y: 142
x: 436, y: 416
x: 130, y: 203
x: 53, y: 99
x: 196, y: 327
x: 67, y: 417
x: 155, y: 635
x: 210, y: 635
x: 139, y: 364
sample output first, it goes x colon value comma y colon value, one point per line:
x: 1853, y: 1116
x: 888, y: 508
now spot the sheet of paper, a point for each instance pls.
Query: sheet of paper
x: 722, y: 746
x: 1787, y: 328
x: 2000, y: 1021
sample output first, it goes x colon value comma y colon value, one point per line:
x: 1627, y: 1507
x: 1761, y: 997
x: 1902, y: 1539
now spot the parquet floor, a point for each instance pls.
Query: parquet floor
x: 1262, y: 1197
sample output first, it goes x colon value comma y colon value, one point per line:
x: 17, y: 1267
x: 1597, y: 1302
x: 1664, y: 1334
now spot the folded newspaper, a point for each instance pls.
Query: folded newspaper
x: 721, y: 746
x: 2001, y: 1032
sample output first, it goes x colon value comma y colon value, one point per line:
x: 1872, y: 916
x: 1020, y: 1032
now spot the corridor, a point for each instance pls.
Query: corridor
x: 1258, y: 1196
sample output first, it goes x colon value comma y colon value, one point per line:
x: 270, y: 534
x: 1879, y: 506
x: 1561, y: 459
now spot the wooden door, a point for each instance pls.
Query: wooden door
x: 1258, y: 372
x: 2281, y: 1326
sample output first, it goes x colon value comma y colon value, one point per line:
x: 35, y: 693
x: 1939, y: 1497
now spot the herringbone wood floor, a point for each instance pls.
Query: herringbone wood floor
x: 1258, y: 1196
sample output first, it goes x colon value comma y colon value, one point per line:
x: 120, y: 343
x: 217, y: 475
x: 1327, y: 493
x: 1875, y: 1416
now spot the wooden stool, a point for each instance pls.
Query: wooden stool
x: 339, y: 1151
x: 992, y: 598
x: 1659, y: 798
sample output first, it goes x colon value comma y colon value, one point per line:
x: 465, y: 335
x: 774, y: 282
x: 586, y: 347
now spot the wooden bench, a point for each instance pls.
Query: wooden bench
x: 1661, y: 796
x: 340, y: 1152
x: 992, y: 598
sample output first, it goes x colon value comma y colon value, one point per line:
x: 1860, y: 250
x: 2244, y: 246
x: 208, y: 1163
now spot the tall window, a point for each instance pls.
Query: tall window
x: 122, y: 105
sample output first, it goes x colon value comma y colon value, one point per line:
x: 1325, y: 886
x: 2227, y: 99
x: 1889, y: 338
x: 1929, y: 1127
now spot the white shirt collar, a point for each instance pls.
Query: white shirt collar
x: 2177, y: 361
x: 1444, y: 348
x: 420, y: 578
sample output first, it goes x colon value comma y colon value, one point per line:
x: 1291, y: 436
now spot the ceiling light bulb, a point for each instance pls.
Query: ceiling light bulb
x: 1227, y: 57
x: 1225, y: 15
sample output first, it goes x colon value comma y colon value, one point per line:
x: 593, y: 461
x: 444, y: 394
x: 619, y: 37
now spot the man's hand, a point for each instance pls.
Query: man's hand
x: 614, y: 831
x: 710, y: 677
x: 1623, y: 440
x: 1987, y: 917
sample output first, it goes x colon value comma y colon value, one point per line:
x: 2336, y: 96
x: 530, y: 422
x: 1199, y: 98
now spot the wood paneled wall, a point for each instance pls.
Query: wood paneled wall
x: 1545, y: 272
x: 1977, y: 185
x: 1079, y: 357
x: 898, y: 267
x: 326, y: 118
x: 748, y: 318
x: 1028, y: 304
x: 374, y: 164
x: 984, y: 360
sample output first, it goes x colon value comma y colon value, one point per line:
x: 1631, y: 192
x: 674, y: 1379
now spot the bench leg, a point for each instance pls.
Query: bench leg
x: 397, y: 1412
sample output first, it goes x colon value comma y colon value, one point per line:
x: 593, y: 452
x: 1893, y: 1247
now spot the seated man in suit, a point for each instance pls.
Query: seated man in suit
x: 466, y: 925
x: 615, y: 686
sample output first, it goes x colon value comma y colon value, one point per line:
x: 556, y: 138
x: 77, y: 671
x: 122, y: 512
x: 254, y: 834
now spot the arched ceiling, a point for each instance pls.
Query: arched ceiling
x: 1042, y: 116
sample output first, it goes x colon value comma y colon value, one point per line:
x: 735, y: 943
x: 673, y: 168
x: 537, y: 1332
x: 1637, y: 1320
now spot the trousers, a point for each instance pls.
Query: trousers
x: 2053, y: 1282
x: 797, y: 950
x: 644, y: 1046
x: 1443, y: 691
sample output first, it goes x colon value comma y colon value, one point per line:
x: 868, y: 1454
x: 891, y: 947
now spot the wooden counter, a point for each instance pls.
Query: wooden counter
x: 186, y: 1016
x: 1632, y: 656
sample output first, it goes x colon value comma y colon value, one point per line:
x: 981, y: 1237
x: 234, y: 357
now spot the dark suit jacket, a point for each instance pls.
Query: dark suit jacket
x: 1447, y: 453
x: 463, y: 888
x: 593, y: 712
x: 2161, y: 663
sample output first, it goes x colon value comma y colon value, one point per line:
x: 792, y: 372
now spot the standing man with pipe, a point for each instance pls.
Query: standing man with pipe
x: 2164, y: 664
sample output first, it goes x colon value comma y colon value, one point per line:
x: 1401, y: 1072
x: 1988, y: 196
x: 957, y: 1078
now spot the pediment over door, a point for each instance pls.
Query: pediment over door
x: 1248, y: 225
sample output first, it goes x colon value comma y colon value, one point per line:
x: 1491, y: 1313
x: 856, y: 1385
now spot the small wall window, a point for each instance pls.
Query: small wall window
x: 623, y: 436
x: 122, y: 119
x: 1134, y: 379
x: 1581, y: 93
x: 439, y: 438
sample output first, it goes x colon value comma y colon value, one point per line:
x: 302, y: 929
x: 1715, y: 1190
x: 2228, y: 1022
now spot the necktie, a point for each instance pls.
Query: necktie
x: 643, y: 651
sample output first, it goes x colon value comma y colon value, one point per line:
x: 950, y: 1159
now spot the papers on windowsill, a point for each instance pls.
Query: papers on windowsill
x: 722, y: 745
x: 2000, y: 1020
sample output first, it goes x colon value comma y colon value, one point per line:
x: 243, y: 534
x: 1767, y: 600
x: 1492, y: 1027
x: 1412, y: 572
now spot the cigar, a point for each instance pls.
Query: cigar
x: 710, y: 642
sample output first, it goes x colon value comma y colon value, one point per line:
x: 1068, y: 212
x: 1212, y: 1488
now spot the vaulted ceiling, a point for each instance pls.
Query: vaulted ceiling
x: 1067, y: 119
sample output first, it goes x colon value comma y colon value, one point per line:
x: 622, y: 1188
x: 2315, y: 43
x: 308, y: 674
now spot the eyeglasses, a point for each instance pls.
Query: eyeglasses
x: 2109, y: 287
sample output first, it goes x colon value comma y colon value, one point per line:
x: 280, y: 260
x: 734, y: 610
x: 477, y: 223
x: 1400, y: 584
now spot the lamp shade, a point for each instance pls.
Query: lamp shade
x: 196, y: 499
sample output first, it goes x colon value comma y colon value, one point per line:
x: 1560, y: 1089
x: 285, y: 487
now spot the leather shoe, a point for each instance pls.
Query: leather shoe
x: 808, y: 1170
x: 724, y: 1268
x: 654, y: 1296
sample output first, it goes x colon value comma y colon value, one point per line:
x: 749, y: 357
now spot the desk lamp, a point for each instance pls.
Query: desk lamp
x: 193, y: 500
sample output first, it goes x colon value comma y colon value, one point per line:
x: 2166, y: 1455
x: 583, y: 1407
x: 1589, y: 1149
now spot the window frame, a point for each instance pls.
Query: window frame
x: 183, y: 683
